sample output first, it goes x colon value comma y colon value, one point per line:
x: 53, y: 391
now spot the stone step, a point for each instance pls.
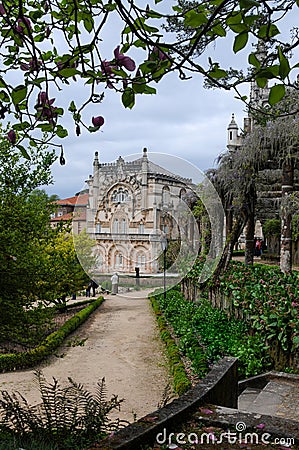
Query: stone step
x: 277, y: 398
x: 247, y: 397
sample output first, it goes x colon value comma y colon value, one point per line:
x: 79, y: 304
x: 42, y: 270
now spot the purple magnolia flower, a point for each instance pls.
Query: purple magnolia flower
x: 2, y: 10
x: 23, y: 25
x: 158, y: 54
x: 45, y: 110
x: 122, y: 60
x: 12, y: 137
x: 98, y: 121
x: 43, y: 99
x: 33, y: 65
x: 24, y: 67
x: 107, y: 67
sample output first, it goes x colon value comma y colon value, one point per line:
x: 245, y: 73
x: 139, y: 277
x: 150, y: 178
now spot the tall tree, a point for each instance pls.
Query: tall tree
x: 24, y: 221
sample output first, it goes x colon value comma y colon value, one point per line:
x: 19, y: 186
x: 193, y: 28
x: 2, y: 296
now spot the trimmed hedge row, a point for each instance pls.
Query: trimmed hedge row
x: 181, y: 383
x: 16, y: 361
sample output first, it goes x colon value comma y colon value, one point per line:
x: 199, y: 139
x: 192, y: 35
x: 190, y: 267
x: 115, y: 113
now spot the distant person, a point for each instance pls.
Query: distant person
x: 88, y: 289
x: 258, y: 247
x: 94, y: 286
x: 114, y: 281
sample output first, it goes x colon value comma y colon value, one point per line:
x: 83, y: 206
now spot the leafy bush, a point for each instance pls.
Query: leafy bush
x: 206, y: 334
x: 69, y: 417
x: 269, y: 298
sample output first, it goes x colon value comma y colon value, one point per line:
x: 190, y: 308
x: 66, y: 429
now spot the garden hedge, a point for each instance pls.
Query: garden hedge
x: 26, y: 360
x: 181, y: 382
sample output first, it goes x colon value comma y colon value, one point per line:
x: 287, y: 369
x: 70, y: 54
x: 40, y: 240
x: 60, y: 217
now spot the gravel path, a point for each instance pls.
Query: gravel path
x: 122, y: 344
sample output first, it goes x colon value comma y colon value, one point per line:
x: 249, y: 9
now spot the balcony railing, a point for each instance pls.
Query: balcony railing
x: 128, y: 237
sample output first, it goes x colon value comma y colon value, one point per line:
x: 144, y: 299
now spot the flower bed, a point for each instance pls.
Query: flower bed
x: 25, y: 360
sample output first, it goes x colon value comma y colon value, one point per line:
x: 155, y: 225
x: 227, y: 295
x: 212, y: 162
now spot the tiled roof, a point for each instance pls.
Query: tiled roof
x: 67, y: 216
x: 77, y: 216
x: 77, y: 200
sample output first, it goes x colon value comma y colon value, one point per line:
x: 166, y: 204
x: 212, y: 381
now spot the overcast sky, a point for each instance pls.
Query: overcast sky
x: 182, y: 119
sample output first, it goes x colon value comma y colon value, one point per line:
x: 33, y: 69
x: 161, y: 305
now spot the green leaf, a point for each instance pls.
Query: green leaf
x: 139, y: 43
x: 277, y: 92
x: 261, y: 82
x: 234, y: 19
x: 110, y: 7
x: 18, y: 94
x: 4, y: 96
x: 194, y: 19
x: 128, y: 98
x: 219, y: 30
x: 284, y: 67
x: 72, y: 107
x: 238, y: 27
x: 266, y: 31
x: 218, y: 73
x: 149, y: 90
x: 46, y: 126
x: 21, y: 126
x: 240, y: 42
x: 245, y: 4
x: 154, y: 14
x: 297, y: 2
x: 66, y: 73
x: 61, y: 132
x: 37, y: 81
x: 88, y: 23
x: 139, y: 86
x: 23, y: 151
x: 252, y: 59
x: 93, y: 129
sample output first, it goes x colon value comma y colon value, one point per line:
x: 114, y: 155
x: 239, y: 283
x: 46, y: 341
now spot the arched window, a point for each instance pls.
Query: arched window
x: 99, y: 261
x: 123, y: 226
x: 141, y: 228
x: 115, y: 227
x: 119, y: 260
x: 141, y: 260
x: 182, y: 193
x: 120, y: 195
x: 165, y: 195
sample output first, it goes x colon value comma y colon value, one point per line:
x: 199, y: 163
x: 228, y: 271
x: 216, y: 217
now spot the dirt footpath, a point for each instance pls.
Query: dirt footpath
x: 122, y: 344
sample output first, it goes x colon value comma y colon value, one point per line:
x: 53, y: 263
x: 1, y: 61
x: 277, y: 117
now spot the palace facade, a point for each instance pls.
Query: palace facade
x: 132, y: 207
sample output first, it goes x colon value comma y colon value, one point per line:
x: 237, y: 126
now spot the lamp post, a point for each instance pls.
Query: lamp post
x: 164, y: 244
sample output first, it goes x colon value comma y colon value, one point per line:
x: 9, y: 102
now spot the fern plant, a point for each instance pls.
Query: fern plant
x: 66, y: 415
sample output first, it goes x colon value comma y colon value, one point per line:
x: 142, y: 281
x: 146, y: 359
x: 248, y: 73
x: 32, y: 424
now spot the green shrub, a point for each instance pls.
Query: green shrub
x: 25, y: 360
x: 206, y: 334
x: 269, y: 298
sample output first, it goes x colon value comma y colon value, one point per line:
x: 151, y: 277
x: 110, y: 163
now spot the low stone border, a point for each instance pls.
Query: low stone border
x: 220, y: 387
x: 218, y: 392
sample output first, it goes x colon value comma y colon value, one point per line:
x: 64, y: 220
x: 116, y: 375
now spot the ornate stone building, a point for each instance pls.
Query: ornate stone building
x: 132, y: 205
